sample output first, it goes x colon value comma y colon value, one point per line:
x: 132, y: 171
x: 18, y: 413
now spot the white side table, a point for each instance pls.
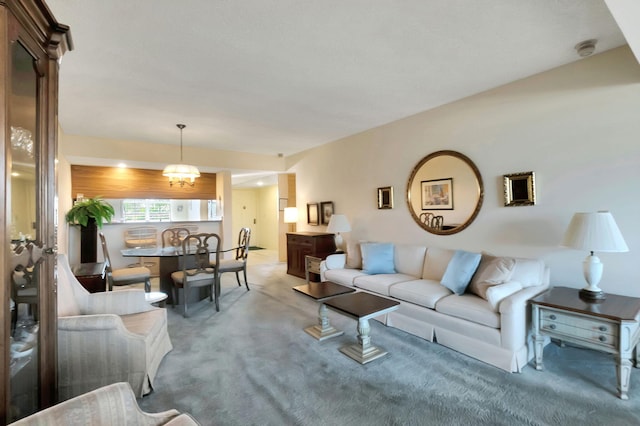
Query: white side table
x: 609, y: 326
x: 156, y: 298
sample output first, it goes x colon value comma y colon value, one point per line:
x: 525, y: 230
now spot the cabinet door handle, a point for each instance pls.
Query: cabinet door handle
x: 602, y: 328
x: 553, y: 317
x: 602, y: 338
x: 552, y: 326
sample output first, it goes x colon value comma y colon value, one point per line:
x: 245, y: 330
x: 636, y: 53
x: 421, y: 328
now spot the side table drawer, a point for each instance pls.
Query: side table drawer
x: 595, y: 331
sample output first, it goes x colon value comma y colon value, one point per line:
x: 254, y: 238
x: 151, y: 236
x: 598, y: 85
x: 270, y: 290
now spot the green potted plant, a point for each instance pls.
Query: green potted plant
x: 90, y: 214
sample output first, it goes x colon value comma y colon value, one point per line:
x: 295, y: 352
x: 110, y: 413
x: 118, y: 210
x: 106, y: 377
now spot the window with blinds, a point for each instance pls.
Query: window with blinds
x: 146, y: 210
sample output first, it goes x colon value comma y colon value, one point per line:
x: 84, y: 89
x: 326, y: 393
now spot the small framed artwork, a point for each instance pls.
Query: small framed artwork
x: 313, y: 218
x: 519, y: 189
x: 437, y: 194
x: 282, y: 203
x: 326, y: 211
x: 385, y: 197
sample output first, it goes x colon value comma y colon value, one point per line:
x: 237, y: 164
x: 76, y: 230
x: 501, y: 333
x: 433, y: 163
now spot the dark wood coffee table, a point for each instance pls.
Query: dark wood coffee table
x: 321, y: 292
x: 362, y: 306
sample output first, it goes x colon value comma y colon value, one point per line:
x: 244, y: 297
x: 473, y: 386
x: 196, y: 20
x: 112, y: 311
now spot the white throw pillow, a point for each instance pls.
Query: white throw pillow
x: 498, y: 293
x: 492, y: 271
x: 354, y: 254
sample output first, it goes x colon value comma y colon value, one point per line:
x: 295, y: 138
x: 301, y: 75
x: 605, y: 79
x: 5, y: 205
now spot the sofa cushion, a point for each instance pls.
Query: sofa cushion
x: 342, y: 276
x: 529, y: 272
x: 469, y: 307
x: 495, y: 294
x: 409, y: 259
x: 377, y: 258
x: 435, y: 263
x: 420, y: 292
x: 380, y: 283
x: 459, y: 271
x: 491, y: 271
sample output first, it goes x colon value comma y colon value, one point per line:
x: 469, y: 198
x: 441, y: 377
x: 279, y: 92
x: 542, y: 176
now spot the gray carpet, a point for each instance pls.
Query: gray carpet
x: 252, y: 364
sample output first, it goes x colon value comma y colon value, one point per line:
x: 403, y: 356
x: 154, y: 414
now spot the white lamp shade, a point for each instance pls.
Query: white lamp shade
x: 181, y: 172
x: 338, y: 223
x: 290, y: 214
x: 595, y: 231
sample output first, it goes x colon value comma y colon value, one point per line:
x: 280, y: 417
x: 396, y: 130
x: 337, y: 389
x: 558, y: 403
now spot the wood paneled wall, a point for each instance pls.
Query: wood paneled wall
x: 114, y: 182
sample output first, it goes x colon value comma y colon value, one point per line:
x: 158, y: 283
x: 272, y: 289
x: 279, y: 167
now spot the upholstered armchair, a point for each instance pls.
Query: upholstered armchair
x: 108, y: 337
x: 114, y: 404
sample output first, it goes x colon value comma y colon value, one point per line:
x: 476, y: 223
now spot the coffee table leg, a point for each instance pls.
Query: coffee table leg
x: 324, y: 330
x: 363, y: 351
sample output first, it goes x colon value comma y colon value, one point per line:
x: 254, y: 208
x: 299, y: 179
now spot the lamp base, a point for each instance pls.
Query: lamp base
x: 592, y: 296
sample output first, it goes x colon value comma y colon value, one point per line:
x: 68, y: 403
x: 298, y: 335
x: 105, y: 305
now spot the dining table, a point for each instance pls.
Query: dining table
x: 170, y: 260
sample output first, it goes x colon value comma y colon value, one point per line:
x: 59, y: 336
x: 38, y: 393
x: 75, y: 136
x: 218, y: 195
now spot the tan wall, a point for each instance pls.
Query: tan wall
x: 575, y: 126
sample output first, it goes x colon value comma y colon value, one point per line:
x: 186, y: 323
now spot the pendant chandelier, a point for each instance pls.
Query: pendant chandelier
x: 181, y: 174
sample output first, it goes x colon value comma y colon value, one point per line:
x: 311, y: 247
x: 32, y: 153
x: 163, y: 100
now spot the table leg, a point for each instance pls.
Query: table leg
x: 538, y: 349
x: 323, y: 330
x: 363, y: 351
x: 623, y: 370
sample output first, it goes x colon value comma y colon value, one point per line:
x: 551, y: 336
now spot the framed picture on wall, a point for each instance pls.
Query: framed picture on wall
x: 326, y: 211
x: 313, y: 216
x: 519, y: 189
x: 385, y: 197
x: 437, y: 194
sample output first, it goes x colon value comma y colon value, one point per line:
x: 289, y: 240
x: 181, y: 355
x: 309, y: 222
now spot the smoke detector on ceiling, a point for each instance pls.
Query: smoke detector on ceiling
x: 586, y: 48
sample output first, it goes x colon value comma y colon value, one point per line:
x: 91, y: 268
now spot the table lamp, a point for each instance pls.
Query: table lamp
x: 593, y: 232
x: 337, y: 224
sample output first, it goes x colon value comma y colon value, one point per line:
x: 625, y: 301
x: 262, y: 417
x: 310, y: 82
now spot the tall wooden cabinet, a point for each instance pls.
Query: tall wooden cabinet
x: 301, y: 244
x: 31, y: 42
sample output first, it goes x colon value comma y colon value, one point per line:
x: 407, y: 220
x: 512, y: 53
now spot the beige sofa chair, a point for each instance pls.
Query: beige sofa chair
x: 108, y: 337
x: 114, y: 404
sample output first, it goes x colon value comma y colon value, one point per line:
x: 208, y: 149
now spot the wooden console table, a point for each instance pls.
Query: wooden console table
x: 609, y: 326
x: 301, y: 244
x: 91, y: 276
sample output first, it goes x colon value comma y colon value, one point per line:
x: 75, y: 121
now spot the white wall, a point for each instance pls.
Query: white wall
x: 576, y: 127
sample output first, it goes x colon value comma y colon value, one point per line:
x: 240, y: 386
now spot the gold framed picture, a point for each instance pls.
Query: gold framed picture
x: 519, y: 189
x: 385, y: 197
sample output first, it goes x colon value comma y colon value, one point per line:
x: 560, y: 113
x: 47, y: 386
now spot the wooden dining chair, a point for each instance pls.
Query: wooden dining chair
x: 197, y: 271
x: 124, y: 276
x: 173, y: 237
x: 239, y: 263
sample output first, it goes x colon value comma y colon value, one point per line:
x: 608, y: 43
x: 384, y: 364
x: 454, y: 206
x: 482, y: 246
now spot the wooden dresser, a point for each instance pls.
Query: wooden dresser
x: 301, y: 244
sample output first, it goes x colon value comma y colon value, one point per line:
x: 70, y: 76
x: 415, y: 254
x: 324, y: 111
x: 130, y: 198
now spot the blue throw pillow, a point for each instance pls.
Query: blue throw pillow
x: 377, y: 258
x: 460, y: 270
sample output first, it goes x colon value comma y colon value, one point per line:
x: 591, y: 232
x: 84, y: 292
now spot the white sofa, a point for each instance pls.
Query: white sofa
x: 493, y: 328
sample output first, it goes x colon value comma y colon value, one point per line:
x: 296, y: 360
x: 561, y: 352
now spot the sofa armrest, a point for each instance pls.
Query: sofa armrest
x: 333, y: 261
x: 102, y: 323
x: 515, y: 316
x: 121, y: 302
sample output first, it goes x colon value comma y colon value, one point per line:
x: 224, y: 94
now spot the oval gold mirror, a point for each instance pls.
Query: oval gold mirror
x: 445, y: 192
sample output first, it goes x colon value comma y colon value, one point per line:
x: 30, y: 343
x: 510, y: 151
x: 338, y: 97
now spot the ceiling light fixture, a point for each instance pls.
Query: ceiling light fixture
x: 181, y: 173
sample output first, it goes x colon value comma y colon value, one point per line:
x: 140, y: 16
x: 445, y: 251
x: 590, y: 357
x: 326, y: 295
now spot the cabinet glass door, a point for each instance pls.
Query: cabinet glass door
x: 26, y: 257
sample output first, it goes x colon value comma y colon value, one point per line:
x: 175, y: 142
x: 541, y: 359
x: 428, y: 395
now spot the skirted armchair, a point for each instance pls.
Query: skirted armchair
x: 109, y: 405
x: 108, y: 337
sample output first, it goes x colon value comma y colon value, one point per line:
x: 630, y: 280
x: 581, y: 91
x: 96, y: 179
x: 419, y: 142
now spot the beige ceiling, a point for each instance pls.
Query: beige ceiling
x: 283, y: 76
